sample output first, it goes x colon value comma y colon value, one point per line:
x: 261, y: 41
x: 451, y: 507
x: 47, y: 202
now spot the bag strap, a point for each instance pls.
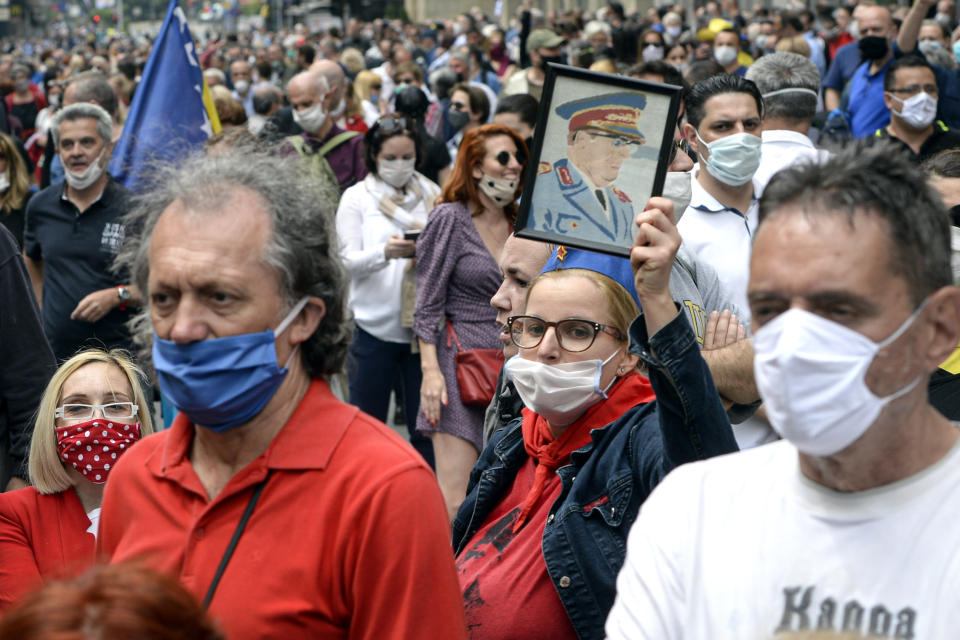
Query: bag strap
x: 452, y: 334
x: 228, y: 553
x: 336, y: 141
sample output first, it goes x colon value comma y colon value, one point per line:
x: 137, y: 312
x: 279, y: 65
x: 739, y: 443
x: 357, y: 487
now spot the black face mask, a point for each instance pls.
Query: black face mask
x: 873, y: 47
x: 955, y: 215
x: 544, y: 60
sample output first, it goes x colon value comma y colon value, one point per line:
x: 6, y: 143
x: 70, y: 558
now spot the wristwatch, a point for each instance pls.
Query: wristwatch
x: 124, y: 294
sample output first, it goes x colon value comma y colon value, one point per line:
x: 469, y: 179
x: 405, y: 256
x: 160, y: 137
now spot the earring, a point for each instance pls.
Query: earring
x: 620, y: 371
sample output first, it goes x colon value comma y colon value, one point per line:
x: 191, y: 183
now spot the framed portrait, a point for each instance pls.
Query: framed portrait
x: 601, y: 149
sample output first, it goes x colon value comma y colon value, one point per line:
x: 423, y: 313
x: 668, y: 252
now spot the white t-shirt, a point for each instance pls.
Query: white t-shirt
x: 744, y: 547
x: 720, y: 237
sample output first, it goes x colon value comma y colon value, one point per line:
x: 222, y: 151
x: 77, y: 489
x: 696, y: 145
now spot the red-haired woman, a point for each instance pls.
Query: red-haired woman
x: 457, y: 274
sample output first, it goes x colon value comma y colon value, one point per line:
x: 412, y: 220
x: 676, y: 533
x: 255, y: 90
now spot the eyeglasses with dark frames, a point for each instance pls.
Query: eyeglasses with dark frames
x: 573, y: 334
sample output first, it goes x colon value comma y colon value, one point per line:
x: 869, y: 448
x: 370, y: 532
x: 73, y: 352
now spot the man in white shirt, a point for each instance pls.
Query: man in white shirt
x: 789, y: 83
x: 723, y: 127
x: 839, y: 527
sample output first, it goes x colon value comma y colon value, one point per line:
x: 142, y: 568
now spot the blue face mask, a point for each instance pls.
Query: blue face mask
x: 222, y: 382
x: 733, y: 160
x: 956, y: 51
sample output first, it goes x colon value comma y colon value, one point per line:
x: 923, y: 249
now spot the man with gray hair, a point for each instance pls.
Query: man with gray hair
x: 291, y: 513
x: 789, y: 84
x: 334, y: 155
x: 73, y: 233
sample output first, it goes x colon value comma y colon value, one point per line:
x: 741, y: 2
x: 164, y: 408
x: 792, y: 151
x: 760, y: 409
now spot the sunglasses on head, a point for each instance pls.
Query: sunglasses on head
x: 504, y: 157
x: 391, y: 123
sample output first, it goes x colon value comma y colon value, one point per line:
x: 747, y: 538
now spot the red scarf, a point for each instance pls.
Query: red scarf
x: 630, y: 391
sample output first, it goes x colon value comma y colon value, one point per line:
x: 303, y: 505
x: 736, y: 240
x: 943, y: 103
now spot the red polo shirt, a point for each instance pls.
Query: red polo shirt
x: 349, y: 539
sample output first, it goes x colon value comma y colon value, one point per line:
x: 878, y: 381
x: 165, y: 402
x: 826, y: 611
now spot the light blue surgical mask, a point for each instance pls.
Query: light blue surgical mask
x: 734, y: 159
x: 222, y: 383
x: 956, y: 51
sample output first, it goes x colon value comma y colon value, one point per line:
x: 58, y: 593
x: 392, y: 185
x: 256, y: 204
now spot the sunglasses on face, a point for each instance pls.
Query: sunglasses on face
x: 504, y: 157
x: 458, y: 106
x: 405, y: 81
x: 376, y: 87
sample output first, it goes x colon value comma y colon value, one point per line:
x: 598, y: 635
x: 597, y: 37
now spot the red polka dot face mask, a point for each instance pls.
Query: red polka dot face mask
x: 93, y: 447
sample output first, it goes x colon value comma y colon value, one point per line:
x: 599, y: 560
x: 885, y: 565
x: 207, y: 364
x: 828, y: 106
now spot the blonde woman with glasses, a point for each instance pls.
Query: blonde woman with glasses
x: 91, y: 413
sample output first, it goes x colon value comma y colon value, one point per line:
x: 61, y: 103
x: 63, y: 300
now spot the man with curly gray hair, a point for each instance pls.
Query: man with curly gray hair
x: 291, y: 513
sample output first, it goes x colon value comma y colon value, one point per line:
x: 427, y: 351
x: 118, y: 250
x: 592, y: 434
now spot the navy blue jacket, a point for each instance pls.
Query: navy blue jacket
x: 585, y: 538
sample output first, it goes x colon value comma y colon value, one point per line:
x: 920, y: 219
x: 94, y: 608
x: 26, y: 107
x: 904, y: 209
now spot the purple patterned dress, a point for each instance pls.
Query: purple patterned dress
x: 456, y: 277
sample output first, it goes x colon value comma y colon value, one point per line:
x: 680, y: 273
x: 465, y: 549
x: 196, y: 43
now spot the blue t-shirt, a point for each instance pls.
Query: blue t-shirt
x: 867, y: 110
x: 842, y: 67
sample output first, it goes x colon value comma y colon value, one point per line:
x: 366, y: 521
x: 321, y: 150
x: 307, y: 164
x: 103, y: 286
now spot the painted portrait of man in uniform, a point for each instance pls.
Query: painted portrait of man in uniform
x: 597, y: 161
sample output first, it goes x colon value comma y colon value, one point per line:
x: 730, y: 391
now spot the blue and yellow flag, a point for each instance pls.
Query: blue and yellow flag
x: 172, y: 111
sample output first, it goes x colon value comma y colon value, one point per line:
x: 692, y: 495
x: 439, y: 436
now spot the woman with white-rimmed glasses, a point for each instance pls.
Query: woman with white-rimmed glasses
x: 91, y: 413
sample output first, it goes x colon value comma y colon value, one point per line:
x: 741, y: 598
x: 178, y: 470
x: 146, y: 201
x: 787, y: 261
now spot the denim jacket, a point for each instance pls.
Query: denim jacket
x: 585, y: 536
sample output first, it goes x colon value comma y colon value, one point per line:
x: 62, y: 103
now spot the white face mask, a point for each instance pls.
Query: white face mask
x: 341, y: 107
x: 678, y: 189
x: 310, y: 119
x: 4, y: 182
x: 500, y: 190
x: 397, y: 172
x: 810, y: 373
x: 733, y: 159
x: 652, y: 53
x: 81, y: 181
x: 918, y: 111
x: 242, y: 86
x: 559, y: 393
x: 725, y: 55
x: 674, y: 32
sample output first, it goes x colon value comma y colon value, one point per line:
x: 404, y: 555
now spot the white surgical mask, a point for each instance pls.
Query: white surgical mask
x: 81, y: 181
x: 652, y: 53
x: 917, y: 111
x: 678, y: 188
x: 810, y: 373
x: 928, y: 46
x: 310, y: 119
x: 559, y: 393
x: 4, y: 182
x: 397, y: 172
x: 725, y: 55
x: 500, y: 190
x: 674, y: 32
x: 341, y: 107
x: 242, y: 86
x: 734, y: 159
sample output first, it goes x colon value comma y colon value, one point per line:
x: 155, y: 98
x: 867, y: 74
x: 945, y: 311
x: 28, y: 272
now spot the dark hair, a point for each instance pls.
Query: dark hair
x: 906, y: 62
x: 700, y: 70
x: 479, y: 103
x: 374, y: 138
x: 671, y: 75
x: 699, y: 93
x: 110, y: 601
x: 308, y: 53
x: 412, y: 102
x: 873, y: 179
x: 522, y: 104
x: 265, y: 98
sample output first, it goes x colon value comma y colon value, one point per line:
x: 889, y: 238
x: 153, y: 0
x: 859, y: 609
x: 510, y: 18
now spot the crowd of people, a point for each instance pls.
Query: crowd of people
x: 743, y: 430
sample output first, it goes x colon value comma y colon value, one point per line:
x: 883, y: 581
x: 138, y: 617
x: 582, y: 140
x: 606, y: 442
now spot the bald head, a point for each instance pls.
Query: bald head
x: 333, y: 74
